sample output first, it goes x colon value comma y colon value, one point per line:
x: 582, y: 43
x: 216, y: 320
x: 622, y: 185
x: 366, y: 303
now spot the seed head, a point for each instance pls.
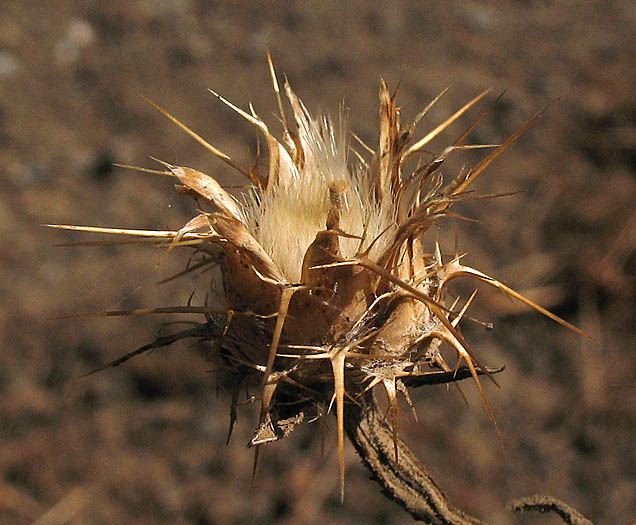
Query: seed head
x: 327, y: 289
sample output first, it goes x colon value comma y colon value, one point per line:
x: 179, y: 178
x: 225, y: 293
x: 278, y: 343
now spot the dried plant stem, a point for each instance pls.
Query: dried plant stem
x: 540, y: 503
x: 406, y: 481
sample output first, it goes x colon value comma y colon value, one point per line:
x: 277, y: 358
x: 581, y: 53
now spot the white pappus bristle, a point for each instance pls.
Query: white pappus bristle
x: 285, y: 218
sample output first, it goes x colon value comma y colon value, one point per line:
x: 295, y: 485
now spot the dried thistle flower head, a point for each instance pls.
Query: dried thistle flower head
x: 328, y: 291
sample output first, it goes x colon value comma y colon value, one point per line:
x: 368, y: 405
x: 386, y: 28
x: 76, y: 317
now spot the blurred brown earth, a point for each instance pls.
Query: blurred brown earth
x: 145, y: 443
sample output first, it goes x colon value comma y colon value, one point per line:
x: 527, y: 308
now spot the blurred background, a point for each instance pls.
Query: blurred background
x: 145, y: 443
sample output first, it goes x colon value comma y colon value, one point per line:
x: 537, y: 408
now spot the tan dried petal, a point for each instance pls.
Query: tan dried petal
x: 236, y: 233
x: 209, y: 189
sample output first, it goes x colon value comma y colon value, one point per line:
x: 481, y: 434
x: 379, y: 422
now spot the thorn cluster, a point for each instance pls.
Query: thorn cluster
x: 327, y: 289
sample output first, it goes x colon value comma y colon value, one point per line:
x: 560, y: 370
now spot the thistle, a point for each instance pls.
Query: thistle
x: 327, y: 290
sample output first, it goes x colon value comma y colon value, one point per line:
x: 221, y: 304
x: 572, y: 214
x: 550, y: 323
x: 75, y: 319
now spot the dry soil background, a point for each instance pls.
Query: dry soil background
x: 145, y: 443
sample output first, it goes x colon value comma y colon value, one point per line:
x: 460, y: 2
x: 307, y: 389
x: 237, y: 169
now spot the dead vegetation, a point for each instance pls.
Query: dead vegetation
x: 146, y: 442
x: 327, y: 288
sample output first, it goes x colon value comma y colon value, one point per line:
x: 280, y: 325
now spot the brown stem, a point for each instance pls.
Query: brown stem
x: 406, y: 481
x: 540, y: 503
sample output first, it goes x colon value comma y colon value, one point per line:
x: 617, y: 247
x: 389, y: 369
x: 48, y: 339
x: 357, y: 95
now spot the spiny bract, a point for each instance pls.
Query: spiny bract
x: 328, y: 290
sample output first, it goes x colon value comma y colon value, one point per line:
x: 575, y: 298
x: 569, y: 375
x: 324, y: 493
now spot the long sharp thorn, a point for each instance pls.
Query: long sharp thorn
x: 487, y: 110
x: 490, y: 158
x: 157, y: 343
x: 257, y: 449
x: 118, y: 231
x: 216, y: 152
x: 389, y: 386
x: 465, y: 270
x: 279, y: 99
x: 432, y: 134
x: 144, y: 170
x: 422, y: 113
x: 285, y: 299
x: 140, y: 311
x: 233, y: 416
x: 337, y: 364
x: 482, y: 394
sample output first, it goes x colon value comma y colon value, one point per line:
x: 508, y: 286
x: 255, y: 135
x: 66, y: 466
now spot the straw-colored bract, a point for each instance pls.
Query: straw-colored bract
x: 327, y: 288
